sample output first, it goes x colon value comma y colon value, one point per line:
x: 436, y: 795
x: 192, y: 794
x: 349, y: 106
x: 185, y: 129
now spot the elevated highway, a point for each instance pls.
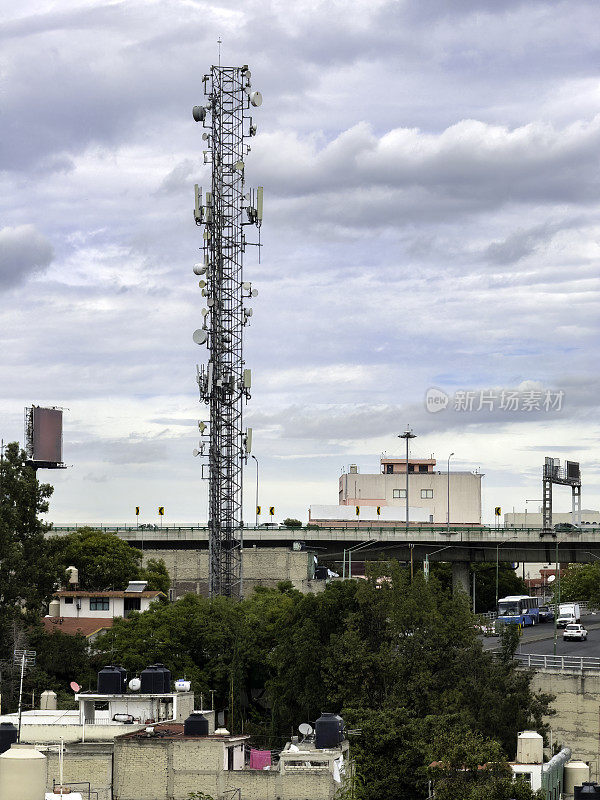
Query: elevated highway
x: 458, y: 545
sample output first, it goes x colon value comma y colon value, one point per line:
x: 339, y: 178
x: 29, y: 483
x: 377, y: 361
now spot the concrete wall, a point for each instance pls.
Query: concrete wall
x: 264, y: 566
x: 374, y: 489
x: 151, y: 769
x: 83, y: 763
x: 534, y: 520
x: 576, y: 723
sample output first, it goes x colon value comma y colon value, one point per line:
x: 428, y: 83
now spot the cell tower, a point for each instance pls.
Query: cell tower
x: 224, y: 383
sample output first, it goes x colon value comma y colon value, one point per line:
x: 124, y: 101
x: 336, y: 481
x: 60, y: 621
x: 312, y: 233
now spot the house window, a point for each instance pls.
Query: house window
x: 132, y: 604
x: 427, y: 493
x: 68, y: 601
x: 389, y: 468
x: 398, y: 492
x: 423, y: 468
x: 411, y: 467
x: 99, y: 604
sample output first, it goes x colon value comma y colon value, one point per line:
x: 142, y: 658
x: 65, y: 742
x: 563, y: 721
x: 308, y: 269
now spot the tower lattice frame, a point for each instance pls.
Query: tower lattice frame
x: 224, y: 382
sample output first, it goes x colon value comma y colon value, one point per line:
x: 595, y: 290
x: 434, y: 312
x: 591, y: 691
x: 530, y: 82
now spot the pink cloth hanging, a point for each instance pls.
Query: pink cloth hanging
x: 259, y: 759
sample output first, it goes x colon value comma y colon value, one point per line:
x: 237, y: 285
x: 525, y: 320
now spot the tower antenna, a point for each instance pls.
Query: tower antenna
x: 224, y: 383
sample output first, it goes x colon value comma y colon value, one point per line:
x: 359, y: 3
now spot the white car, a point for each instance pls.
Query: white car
x: 574, y: 631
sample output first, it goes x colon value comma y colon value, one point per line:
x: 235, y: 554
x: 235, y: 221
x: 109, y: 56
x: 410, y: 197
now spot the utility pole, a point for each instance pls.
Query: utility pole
x: 224, y: 383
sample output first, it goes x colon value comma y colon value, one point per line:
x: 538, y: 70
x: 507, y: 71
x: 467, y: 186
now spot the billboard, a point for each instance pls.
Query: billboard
x: 573, y: 470
x: 43, y: 435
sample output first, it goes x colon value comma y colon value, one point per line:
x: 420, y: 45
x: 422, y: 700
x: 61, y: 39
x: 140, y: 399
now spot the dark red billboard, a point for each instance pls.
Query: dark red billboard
x: 47, y: 435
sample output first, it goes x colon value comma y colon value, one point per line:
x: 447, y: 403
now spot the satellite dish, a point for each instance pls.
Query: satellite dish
x: 238, y: 166
x: 202, y: 284
x: 254, y: 292
x: 256, y: 98
x: 75, y: 686
x: 196, y: 452
x: 204, y: 312
x: 199, y: 269
x: 551, y: 578
x: 305, y: 729
x: 200, y: 336
x: 205, y: 136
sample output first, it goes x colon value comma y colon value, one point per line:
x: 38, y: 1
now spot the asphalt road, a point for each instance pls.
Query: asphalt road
x: 539, y: 639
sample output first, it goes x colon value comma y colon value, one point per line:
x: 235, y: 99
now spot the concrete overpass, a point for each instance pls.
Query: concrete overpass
x: 458, y: 545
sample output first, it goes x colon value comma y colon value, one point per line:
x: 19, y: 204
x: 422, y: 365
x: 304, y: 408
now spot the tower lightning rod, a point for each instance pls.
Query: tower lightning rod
x: 224, y: 212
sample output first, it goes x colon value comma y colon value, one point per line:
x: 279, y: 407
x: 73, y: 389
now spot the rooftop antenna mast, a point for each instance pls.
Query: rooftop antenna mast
x: 224, y: 383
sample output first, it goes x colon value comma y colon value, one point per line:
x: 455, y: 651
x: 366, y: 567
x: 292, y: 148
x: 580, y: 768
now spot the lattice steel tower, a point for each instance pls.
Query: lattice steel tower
x: 224, y: 383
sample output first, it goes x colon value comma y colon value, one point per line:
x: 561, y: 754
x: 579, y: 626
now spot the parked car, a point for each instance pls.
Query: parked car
x: 546, y: 614
x: 566, y: 527
x: 575, y: 631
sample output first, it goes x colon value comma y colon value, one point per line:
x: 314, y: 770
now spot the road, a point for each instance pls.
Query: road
x: 539, y: 640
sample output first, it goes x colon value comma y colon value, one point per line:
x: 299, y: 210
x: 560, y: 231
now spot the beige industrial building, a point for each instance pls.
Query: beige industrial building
x: 381, y: 497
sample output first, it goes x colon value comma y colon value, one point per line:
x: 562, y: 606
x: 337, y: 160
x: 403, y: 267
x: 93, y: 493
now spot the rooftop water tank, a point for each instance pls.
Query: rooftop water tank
x: 48, y: 700
x: 110, y: 680
x: 587, y: 791
x: 181, y: 685
x: 196, y: 724
x: 151, y: 680
x: 329, y: 731
x: 73, y: 574
x: 22, y: 773
x: 530, y: 748
x: 8, y: 735
x: 576, y: 773
x: 54, y: 608
x: 166, y: 677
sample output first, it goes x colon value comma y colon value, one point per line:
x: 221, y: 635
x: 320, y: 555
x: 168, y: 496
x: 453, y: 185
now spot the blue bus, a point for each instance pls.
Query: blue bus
x: 519, y: 609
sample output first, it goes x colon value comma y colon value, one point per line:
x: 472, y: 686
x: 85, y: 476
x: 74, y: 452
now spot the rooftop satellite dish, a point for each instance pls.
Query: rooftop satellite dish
x: 305, y: 729
x: 75, y: 686
x: 551, y: 578
x: 256, y: 98
x: 200, y: 336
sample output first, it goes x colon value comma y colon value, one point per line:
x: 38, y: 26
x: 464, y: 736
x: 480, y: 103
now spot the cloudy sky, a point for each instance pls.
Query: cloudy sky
x: 431, y: 222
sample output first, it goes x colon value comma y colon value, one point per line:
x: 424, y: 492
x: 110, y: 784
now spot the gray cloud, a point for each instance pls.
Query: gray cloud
x: 23, y: 252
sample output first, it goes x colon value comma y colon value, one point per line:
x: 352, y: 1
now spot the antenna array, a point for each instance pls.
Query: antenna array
x: 224, y: 383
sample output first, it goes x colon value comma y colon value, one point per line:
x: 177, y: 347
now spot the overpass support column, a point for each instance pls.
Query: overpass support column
x: 460, y: 576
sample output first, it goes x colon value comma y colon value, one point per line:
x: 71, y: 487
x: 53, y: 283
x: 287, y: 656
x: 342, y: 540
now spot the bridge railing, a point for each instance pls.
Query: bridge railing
x: 534, y: 661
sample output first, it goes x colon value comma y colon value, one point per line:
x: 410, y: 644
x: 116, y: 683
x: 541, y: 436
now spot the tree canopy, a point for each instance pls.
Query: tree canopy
x: 398, y: 659
x: 580, y: 582
x: 105, y: 561
x: 27, y: 570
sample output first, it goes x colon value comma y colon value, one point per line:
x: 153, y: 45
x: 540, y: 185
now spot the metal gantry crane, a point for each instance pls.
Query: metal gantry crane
x: 225, y: 212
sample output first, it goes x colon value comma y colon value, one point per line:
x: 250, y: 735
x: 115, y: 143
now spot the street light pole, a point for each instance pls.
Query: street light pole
x: 407, y: 435
x: 497, y: 548
x: 256, y: 459
x: 448, y: 519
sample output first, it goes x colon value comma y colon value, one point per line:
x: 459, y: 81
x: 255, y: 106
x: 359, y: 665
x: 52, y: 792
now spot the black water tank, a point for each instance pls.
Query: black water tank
x: 196, y: 725
x: 123, y: 672
x: 152, y: 680
x: 329, y: 730
x: 165, y: 677
x: 587, y: 790
x: 110, y: 680
x: 8, y: 736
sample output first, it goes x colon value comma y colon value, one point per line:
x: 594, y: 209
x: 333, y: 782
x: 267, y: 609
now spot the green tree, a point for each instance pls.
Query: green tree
x: 27, y: 570
x: 157, y: 575
x: 104, y: 561
x: 290, y: 522
x: 579, y: 582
